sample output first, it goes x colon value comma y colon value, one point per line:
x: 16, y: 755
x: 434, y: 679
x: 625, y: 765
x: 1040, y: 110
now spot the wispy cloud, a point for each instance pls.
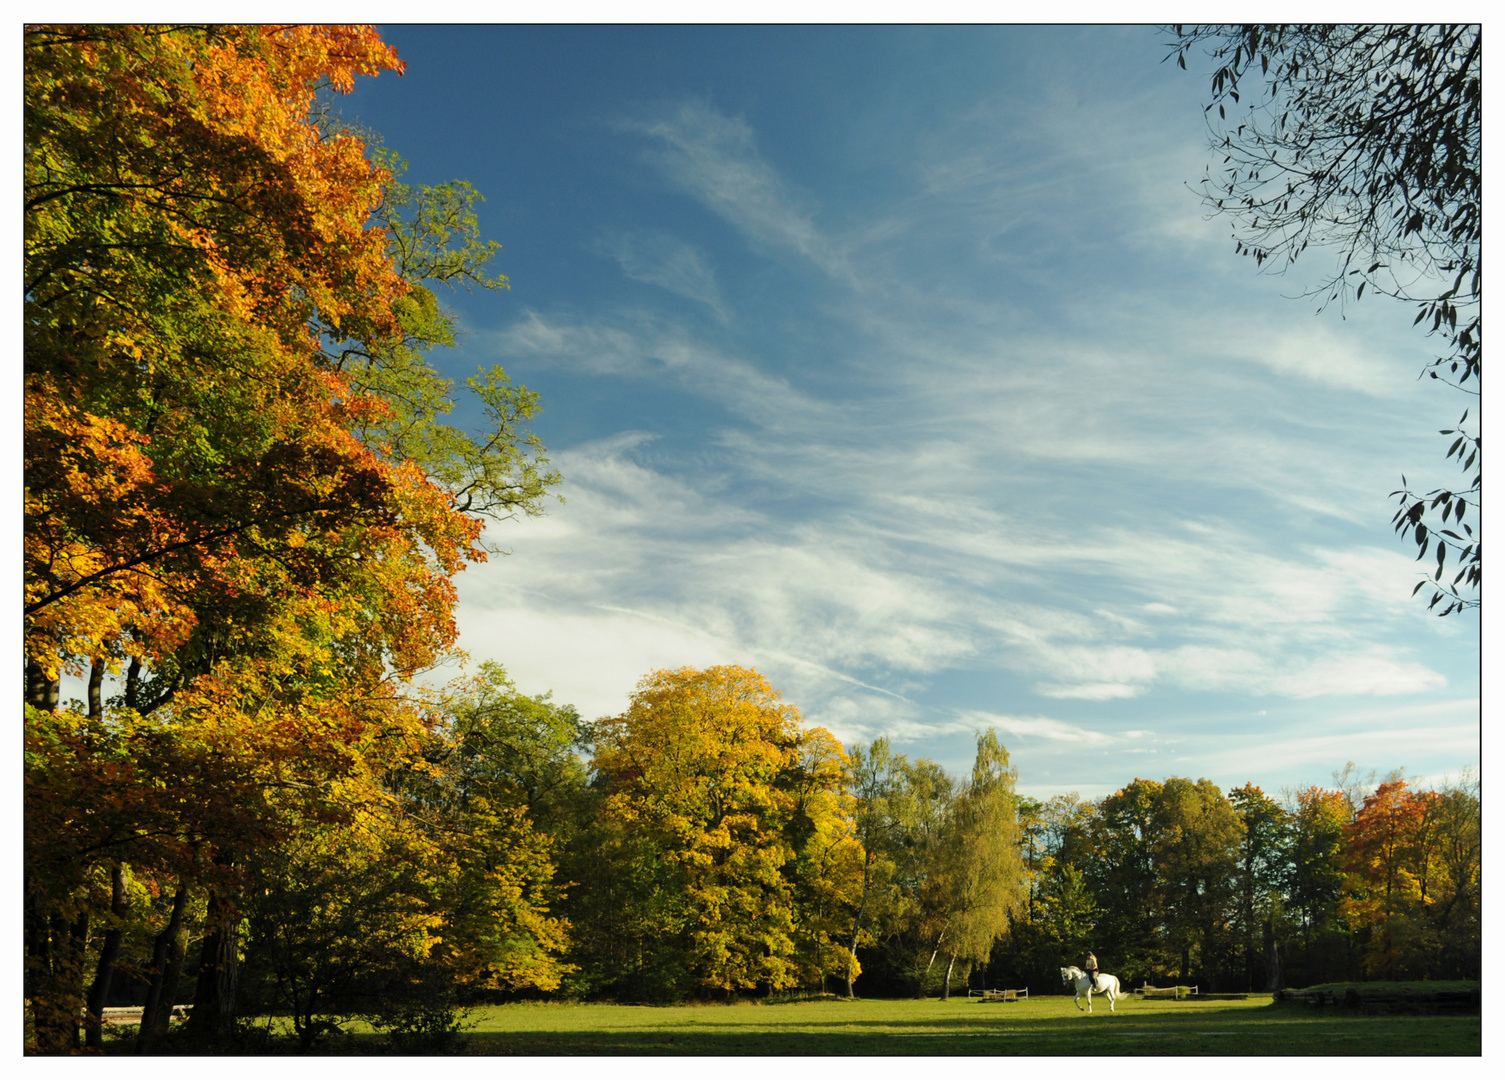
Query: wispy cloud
x: 660, y: 259
x: 1046, y: 729
x: 1113, y: 502
x: 1377, y: 670
x: 1090, y: 691
x: 714, y: 157
x: 641, y: 346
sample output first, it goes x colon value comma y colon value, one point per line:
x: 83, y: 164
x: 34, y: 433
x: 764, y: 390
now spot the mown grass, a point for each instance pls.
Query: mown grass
x: 1042, y: 1026
x: 1049, y: 1026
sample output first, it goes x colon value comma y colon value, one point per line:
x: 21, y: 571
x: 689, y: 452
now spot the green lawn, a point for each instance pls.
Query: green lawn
x: 1044, y: 1026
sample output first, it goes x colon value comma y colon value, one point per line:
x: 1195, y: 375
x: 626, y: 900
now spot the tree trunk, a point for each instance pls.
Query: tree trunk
x: 205, y: 1014
x: 41, y: 691
x: 857, y: 922
x: 167, y: 966
x: 133, y: 684
x: 104, y: 973
x: 1273, y: 979
x: 214, y: 997
x: 946, y: 989
x: 96, y: 681
x: 177, y: 957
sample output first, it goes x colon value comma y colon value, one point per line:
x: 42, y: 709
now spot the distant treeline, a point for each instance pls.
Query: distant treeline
x: 1175, y: 880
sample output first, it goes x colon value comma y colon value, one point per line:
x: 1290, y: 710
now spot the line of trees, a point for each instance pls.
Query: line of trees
x: 705, y: 844
x: 1176, y: 880
x: 711, y: 845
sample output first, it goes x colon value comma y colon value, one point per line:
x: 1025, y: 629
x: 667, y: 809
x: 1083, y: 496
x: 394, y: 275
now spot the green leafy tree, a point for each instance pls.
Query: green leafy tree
x: 924, y: 801
x: 1455, y: 911
x: 1124, y: 876
x: 979, y: 878
x: 875, y: 779
x: 435, y: 884
x: 516, y: 750
x: 1315, y: 889
x: 433, y: 241
x: 1197, y: 840
x: 1263, y: 875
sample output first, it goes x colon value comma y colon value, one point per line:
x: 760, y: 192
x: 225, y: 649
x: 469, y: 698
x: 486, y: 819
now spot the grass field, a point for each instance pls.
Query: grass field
x: 1040, y: 1026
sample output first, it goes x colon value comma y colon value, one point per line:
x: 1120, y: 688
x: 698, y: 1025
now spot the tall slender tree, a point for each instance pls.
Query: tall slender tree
x: 980, y: 874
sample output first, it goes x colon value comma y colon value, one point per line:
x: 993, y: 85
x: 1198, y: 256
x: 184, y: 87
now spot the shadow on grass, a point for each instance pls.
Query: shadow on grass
x: 1270, y: 1030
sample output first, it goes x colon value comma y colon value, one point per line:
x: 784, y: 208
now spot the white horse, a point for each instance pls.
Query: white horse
x: 1107, y: 985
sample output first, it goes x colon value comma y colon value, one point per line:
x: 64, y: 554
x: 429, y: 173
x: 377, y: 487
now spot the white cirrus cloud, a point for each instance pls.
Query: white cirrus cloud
x: 1376, y: 671
x: 644, y: 347
x: 1090, y: 691
x: 715, y: 158
x: 659, y: 259
x: 1043, y: 728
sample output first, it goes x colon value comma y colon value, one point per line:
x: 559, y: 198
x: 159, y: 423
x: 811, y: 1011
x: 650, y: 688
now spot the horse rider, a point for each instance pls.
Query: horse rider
x: 1090, y: 970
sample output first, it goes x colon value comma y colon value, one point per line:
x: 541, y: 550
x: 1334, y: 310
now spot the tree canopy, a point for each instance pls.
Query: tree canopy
x: 238, y: 497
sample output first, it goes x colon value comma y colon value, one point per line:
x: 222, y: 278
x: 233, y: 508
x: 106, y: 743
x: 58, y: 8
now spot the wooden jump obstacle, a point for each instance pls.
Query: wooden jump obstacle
x: 998, y: 995
x: 1174, y: 993
x: 131, y: 1014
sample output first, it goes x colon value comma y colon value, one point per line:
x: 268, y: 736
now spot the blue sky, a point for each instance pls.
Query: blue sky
x: 902, y: 365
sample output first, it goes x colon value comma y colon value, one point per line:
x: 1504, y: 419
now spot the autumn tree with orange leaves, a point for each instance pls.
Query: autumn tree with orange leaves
x: 241, y: 501
x: 1412, y: 889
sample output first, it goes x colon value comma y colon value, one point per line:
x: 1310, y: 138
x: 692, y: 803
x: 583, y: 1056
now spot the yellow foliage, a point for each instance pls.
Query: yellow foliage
x: 717, y: 773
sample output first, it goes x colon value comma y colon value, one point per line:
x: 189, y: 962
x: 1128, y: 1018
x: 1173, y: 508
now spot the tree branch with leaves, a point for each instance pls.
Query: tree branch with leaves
x: 1365, y: 139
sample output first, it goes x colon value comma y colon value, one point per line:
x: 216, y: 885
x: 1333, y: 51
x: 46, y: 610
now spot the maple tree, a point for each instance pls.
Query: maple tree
x: 1392, y: 858
x: 260, y: 541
